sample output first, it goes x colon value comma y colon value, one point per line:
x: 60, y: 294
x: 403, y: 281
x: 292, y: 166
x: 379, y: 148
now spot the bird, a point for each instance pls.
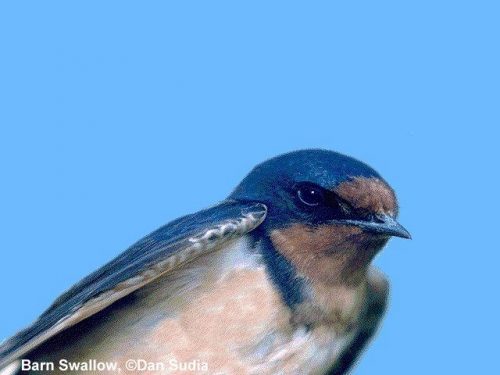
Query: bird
x: 275, y: 279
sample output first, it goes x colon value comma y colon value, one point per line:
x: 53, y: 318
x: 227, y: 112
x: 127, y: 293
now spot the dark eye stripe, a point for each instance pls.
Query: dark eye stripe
x: 324, y: 205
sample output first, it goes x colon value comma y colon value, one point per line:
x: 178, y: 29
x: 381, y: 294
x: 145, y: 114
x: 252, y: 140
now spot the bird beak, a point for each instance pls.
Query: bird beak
x: 382, y: 224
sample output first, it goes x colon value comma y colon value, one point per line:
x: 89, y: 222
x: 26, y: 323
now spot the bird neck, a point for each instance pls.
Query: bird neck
x: 318, y: 287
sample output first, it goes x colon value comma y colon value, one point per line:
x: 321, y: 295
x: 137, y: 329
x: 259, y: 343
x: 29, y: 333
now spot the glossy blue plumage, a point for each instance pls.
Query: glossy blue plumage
x: 323, y: 167
x: 306, y: 225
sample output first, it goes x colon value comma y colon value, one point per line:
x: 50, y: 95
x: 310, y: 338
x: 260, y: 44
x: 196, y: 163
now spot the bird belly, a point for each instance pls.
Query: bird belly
x: 219, y: 314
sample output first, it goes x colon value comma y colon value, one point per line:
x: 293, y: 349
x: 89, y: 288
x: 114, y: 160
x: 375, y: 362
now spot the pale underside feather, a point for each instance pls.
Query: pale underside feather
x: 206, y: 231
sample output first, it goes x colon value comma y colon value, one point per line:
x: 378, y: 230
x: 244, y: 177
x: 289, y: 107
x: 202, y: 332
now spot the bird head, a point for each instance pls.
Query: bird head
x: 325, y: 210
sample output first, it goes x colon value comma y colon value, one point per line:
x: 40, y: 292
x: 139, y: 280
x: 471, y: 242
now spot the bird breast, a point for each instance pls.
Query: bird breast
x: 222, y: 309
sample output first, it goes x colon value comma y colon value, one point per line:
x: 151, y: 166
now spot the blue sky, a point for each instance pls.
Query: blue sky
x: 117, y: 117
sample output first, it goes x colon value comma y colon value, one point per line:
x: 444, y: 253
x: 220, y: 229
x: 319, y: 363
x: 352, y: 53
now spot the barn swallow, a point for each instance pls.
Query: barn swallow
x: 274, y: 279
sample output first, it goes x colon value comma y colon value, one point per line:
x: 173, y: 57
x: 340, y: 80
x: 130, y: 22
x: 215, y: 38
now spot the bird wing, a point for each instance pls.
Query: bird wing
x: 378, y: 293
x: 165, y: 249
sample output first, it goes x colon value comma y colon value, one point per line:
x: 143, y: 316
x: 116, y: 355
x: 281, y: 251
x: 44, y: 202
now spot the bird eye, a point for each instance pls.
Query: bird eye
x: 310, y: 196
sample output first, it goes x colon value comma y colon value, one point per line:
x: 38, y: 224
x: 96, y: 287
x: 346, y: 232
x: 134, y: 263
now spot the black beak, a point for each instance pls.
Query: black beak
x: 382, y: 224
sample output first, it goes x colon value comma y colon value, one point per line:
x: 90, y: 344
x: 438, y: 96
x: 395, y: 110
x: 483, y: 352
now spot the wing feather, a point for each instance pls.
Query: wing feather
x: 378, y: 292
x: 165, y: 249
